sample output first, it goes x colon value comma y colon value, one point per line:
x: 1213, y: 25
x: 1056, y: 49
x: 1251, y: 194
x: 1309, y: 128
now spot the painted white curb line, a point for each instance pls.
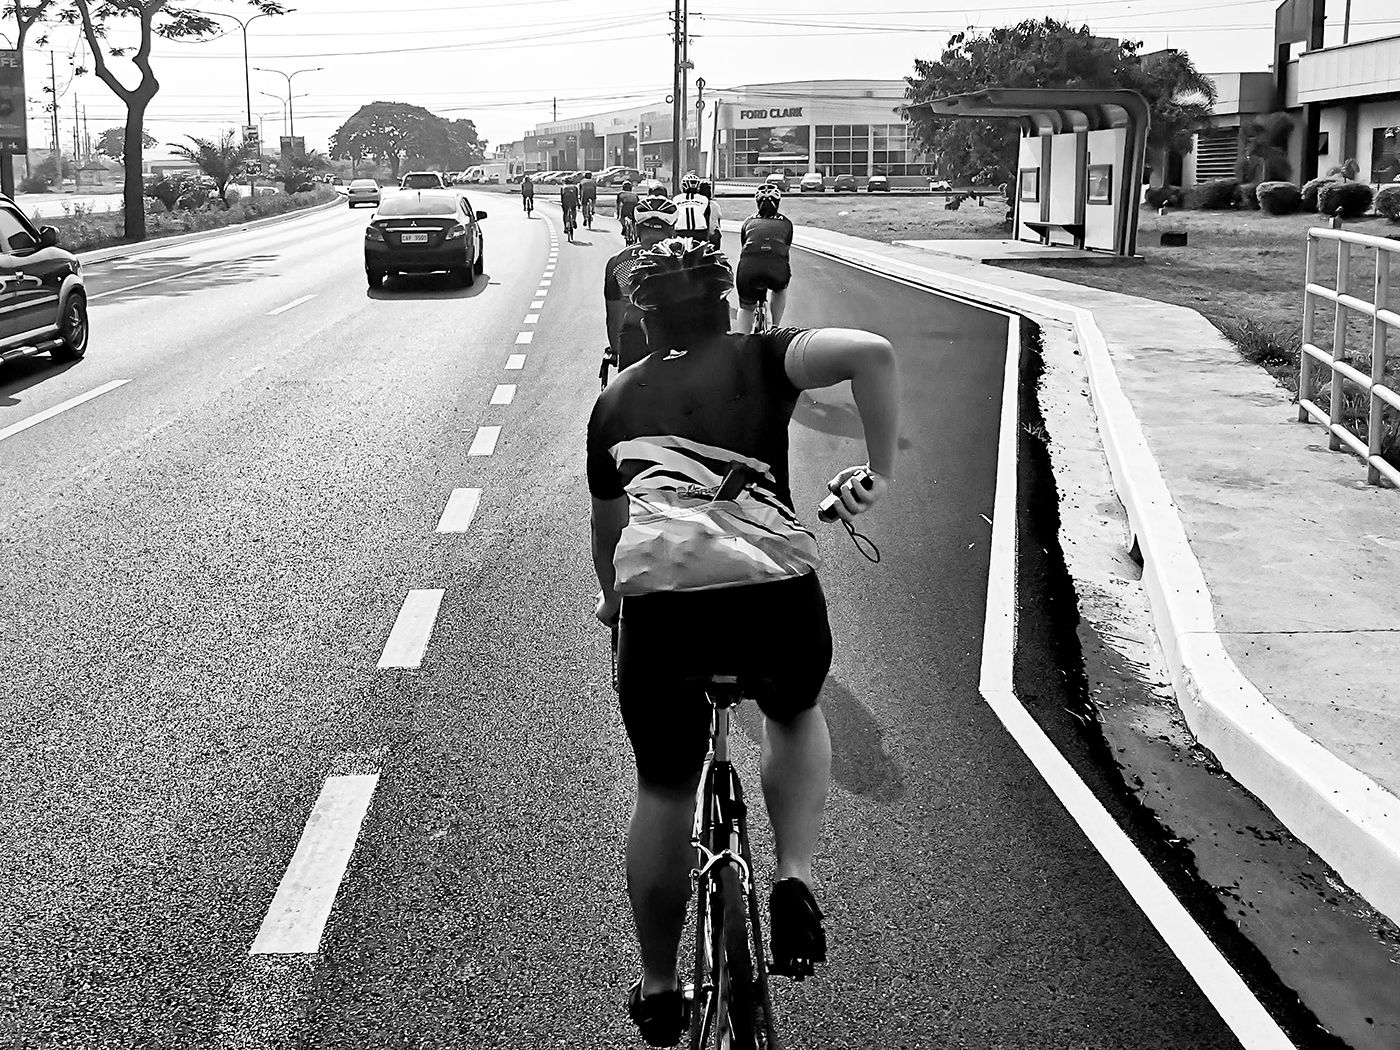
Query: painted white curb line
x: 1347, y: 818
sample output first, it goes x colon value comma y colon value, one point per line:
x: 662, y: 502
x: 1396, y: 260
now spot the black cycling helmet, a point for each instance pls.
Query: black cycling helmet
x: 588, y: 174
x: 627, y: 185
x: 680, y: 270
x: 706, y: 190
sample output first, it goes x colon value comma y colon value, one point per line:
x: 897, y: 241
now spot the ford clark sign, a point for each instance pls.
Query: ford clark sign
x: 769, y: 114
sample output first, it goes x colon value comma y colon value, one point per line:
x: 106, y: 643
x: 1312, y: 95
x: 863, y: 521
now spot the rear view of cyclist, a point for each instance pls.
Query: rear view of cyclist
x: 766, y: 238
x: 588, y: 197
x: 568, y: 201
x: 626, y: 210
x: 527, y: 193
x: 692, y: 209
x: 701, y: 401
x: 655, y: 221
x: 707, y: 190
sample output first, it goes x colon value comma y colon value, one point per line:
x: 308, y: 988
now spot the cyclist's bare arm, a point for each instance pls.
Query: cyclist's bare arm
x: 615, y: 310
x: 827, y: 356
x: 609, y: 518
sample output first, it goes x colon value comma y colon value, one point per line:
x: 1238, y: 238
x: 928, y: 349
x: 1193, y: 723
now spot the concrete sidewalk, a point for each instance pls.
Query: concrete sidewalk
x: 1273, y: 569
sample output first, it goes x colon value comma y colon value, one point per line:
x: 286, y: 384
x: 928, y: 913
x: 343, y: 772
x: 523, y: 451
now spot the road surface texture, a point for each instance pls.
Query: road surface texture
x: 203, y: 566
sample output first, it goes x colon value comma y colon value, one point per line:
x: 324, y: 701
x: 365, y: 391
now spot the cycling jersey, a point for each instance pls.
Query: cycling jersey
x: 627, y: 202
x: 527, y: 189
x: 766, y: 235
x: 588, y: 190
x: 692, y: 215
x: 632, y: 341
x: 568, y: 196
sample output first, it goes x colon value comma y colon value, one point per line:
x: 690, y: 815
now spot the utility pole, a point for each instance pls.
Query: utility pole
x: 53, y: 112
x: 714, y: 150
x: 1346, y: 24
x: 685, y: 82
x: 556, y: 110
x: 87, y: 138
x: 676, y: 106
x: 77, y: 161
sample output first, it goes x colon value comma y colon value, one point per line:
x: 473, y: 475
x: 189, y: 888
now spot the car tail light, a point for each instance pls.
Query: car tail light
x: 453, y: 232
x: 374, y: 233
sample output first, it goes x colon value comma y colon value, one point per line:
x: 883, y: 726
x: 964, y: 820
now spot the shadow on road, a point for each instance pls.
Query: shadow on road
x: 428, y: 286
x: 184, y: 277
x: 26, y: 372
x: 840, y: 420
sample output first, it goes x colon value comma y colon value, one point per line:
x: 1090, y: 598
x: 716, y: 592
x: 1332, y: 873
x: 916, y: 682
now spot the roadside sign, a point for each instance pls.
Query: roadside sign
x: 250, y: 135
x: 13, y: 124
x: 293, y: 146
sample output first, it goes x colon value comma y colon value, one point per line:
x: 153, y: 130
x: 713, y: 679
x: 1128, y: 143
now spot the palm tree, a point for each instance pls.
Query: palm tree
x: 1181, y: 97
x: 223, y: 161
x: 1265, y: 156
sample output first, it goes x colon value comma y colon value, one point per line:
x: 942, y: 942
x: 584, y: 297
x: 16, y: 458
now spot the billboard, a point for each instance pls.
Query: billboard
x: 293, y: 145
x: 13, y: 125
x: 783, y: 141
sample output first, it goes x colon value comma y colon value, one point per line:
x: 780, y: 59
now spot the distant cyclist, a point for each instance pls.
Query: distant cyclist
x: 692, y: 209
x: 766, y: 239
x: 655, y: 221
x: 588, y: 196
x: 568, y: 201
x: 626, y: 210
x: 527, y: 193
x: 707, y: 190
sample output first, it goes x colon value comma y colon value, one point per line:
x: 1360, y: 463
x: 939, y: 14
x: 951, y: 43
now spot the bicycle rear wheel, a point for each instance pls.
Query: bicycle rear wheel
x: 731, y: 1010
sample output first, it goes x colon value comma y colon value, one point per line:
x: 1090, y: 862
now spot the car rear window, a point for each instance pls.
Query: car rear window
x: 421, y: 181
x: 420, y: 204
x: 365, y: 184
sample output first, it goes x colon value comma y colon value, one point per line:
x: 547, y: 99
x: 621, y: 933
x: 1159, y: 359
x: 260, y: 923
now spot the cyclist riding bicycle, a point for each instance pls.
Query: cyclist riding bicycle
x: 568, y: 201
x: 707, y: 190
x: 588, y: 197
x: 655, y: 221
x: 666, y: 430
x: 527, y: 193
x: 766, y: 238
x: 693, y: 209
x: 627, y: 209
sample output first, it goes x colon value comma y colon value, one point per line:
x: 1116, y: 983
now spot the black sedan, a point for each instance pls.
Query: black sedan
x: 420, y: 231
x: 45, y: 303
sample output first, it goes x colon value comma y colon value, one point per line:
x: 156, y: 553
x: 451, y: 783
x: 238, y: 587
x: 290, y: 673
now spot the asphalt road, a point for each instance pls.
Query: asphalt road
x: 201, y: 570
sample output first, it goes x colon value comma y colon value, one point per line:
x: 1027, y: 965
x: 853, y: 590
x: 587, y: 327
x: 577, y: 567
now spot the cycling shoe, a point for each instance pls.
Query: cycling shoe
x: 662, y: 1017
x: 798, y: 941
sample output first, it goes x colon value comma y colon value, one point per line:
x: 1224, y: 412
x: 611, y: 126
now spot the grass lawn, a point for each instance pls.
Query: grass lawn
x: 1242, y: 270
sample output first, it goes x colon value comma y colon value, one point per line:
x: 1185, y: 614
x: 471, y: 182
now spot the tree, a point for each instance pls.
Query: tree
x: 1047, y: 53
x: 392, y: 132
x: 223, y: 160
x: 112, y: 143
x: 155, y: 18
x: 1266, y: 149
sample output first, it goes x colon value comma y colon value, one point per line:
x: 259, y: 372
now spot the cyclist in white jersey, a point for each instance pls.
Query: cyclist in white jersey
x: 692, y: 209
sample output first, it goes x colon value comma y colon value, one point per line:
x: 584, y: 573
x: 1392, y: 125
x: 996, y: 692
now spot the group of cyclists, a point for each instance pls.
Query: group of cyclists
x: 694, y: 405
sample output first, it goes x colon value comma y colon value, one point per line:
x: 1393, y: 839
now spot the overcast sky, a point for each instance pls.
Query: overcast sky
x: 502, y: 62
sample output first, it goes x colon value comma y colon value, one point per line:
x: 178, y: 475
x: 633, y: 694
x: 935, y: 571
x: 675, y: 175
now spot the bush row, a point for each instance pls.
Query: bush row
x: 1329, y: 195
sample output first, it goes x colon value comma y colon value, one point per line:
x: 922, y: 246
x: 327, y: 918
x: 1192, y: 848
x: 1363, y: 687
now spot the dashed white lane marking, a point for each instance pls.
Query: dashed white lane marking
x: 460, y: 509
x: 545, y: 282
x: 297, y: 917
x: 412, y: 628
x: 538, y: 304
x: 532, y: 318
x: 485, y: 441
x: 291, y: 305
x: 524, y: 337
x: 49, y: 413
x: 541, y: 291
x: 504, y: 395
x: 515, y: 362
x: 1225, y: 989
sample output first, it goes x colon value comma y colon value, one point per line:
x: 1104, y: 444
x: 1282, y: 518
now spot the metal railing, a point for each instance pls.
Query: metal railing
x: 1382, y: 320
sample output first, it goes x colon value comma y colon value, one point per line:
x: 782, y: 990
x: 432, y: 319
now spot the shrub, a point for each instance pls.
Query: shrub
x: 1245, y: 197
x: 1279, y: 198
x: 1215, y: 195
x: 33, y: 183
x: 1351, y: 199
x: 1388, y: 203
x: 1164, y: 196
x: 1264, y: 344
x: 1311, y: 189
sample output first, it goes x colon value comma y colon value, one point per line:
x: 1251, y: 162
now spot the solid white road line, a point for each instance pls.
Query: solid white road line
x: 297, y: 917
x: 532, y: 318
x: 1225, y: 989
x: 485, y: 441
x: 514, y: 362
x: 538, y: 304
x: 460, y: 509
x: 291, y: 305
x: 504, y: 395
x: 49, y: 413
x: 524, y: 337
x: 412, y: 628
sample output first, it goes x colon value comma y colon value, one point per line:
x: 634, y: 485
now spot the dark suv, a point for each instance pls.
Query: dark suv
x: 43, y: 305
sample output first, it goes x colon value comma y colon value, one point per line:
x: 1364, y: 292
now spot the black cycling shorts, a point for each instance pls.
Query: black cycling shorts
x: 776, y: 632
x: 758, y: 274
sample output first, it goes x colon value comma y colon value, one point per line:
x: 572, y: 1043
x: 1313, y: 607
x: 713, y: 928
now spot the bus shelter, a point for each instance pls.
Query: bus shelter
x: 1081, y: 158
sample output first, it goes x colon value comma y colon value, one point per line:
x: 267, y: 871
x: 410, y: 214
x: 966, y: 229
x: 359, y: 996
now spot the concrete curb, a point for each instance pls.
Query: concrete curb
x: 126, y: 251
x: 1348, y: 819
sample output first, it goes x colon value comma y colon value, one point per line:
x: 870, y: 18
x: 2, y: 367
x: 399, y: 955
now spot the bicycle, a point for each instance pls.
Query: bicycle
x: 629, y: 230
x: 529, y: 204
x: 570, y: 222
x: 761, y: 323
x: 733, y: 1007
x: 588, y: 213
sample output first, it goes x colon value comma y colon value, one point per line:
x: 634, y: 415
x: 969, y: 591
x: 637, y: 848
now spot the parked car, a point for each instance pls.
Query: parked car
x: 421, y: 232
x: 47, y: 303
x: 778, y: 179
x: 878, y: 184
x: 812, y: 182
x: 844, y: 184
x: 422, y: 180
x: 363, y: 191
x: 939, y: 184
x: 494, y: 178
x: 618, y: 176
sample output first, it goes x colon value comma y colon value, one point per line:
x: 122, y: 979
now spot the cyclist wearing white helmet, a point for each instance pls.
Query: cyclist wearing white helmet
x: 766, y: 238
x: 666, y: 431
x: 692, y: 209
x: 654, y: 219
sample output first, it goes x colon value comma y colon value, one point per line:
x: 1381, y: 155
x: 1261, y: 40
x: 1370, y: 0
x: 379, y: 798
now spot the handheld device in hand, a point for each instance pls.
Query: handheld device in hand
x: 734, y: 483
x: 826, y: 509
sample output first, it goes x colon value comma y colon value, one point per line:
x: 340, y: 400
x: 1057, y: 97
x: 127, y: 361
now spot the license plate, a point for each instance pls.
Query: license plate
x: 413, y: 238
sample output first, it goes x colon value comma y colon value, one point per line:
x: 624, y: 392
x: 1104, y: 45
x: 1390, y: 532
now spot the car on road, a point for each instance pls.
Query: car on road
x: 46, y: 303
x: 363, y: 191
x: 620, y: 175
x: 778, y: 179
x: 423, y: 231
x: 844, y: 184
x: 812, y: 182
x: 878, y: 184
x: 422, y: 180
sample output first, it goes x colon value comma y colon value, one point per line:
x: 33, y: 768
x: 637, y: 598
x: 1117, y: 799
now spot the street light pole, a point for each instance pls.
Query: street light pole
x: 291, y: 111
